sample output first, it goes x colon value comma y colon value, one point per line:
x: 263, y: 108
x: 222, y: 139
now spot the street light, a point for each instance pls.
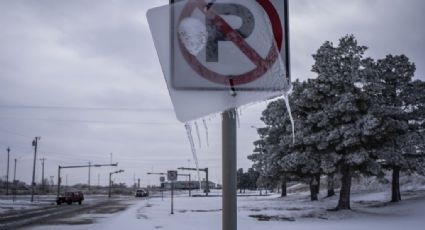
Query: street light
x: 110, y: 181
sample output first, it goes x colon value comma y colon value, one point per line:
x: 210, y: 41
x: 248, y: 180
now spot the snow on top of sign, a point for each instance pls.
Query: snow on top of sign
x: 193, y: 34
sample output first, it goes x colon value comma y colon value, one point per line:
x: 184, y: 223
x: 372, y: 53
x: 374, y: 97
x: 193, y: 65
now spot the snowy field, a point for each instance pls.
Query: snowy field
x: 369, y: 211
x: 23, y: 202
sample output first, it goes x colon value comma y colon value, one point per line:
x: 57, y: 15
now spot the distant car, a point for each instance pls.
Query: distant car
x: 142, y: 193
x: 70, y: 197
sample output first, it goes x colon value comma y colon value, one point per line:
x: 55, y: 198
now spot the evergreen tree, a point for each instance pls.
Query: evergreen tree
x: 342, y: 132
x: 396, y: 103
x: 357, y: 115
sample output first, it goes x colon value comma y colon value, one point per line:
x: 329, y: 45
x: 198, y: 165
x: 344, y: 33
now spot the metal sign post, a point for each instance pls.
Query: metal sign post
x: 172, y: 197
x: 229, y: 201
x: 162, y: 179
x: 172, y: 176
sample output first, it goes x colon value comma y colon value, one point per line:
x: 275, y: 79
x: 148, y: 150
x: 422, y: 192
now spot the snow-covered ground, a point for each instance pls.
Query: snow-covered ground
x: 370, y: 210
x: 7, y: 203
x: 295, y: 212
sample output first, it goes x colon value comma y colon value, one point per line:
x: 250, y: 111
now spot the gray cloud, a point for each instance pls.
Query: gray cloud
x: 386, y: 27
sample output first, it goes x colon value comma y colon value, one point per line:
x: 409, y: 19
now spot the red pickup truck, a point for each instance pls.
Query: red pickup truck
x: 70, y: 197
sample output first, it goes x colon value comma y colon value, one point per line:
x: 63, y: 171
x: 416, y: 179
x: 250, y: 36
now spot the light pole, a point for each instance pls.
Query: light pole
x: 77, y: 166
x: 110, y: 180
x: 42, y: 173
x: 7, y: 175
x: 207, y: 186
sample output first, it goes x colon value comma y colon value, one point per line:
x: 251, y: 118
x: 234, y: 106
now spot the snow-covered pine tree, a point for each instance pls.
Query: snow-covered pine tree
x: 396, y: 102
x: 273, y: 143
x: 263, y: 159
x: 337, y: 113
x: 302, y: 157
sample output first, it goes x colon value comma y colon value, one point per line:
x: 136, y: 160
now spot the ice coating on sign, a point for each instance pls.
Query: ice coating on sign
x: 192, y: 147
x: 193, y: 34
x: 238, y: 121
x: 190, y: 78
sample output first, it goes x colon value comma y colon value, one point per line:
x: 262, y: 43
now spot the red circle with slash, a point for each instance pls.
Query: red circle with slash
x: 262, y: 64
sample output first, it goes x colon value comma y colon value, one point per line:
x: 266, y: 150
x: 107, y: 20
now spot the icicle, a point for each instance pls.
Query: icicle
x: 206, y: 131
x: 198, y: 134
x: 192, y: 147
x: 288, y: 108
x: 237, y: 118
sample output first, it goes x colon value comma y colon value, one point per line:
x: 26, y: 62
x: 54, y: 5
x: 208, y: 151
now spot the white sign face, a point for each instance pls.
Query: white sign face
x: 172, y: 175
x: 221, y: 55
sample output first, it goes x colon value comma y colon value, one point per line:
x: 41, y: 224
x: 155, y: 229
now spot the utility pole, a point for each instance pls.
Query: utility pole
x: 89, y: 176
x: 42, y: 173
x: 52, y: 183
x: 14, y: 181
x: 35, y: 145
x: 14, y: 171
x: 134, y: 180
x: 7, y: 174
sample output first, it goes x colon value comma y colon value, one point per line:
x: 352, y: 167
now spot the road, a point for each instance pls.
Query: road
x: 47, y: 212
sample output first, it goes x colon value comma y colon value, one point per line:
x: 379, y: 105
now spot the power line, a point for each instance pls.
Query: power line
x: 93, y: 121
x: 47, y: 107
x: 15, y: 147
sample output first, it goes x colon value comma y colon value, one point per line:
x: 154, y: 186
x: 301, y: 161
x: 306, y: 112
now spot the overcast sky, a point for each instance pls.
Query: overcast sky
x: 84, y: 76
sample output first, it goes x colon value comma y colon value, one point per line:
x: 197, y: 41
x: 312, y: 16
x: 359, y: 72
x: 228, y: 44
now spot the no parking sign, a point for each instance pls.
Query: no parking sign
x: 222, y: 54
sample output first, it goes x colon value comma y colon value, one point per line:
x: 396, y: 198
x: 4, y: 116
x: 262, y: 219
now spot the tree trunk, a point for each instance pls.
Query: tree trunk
x: 283, y: 186
x: 315, y: 187
x: 331, y: 185
x: 395, y: 190
x: 344, y: 195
